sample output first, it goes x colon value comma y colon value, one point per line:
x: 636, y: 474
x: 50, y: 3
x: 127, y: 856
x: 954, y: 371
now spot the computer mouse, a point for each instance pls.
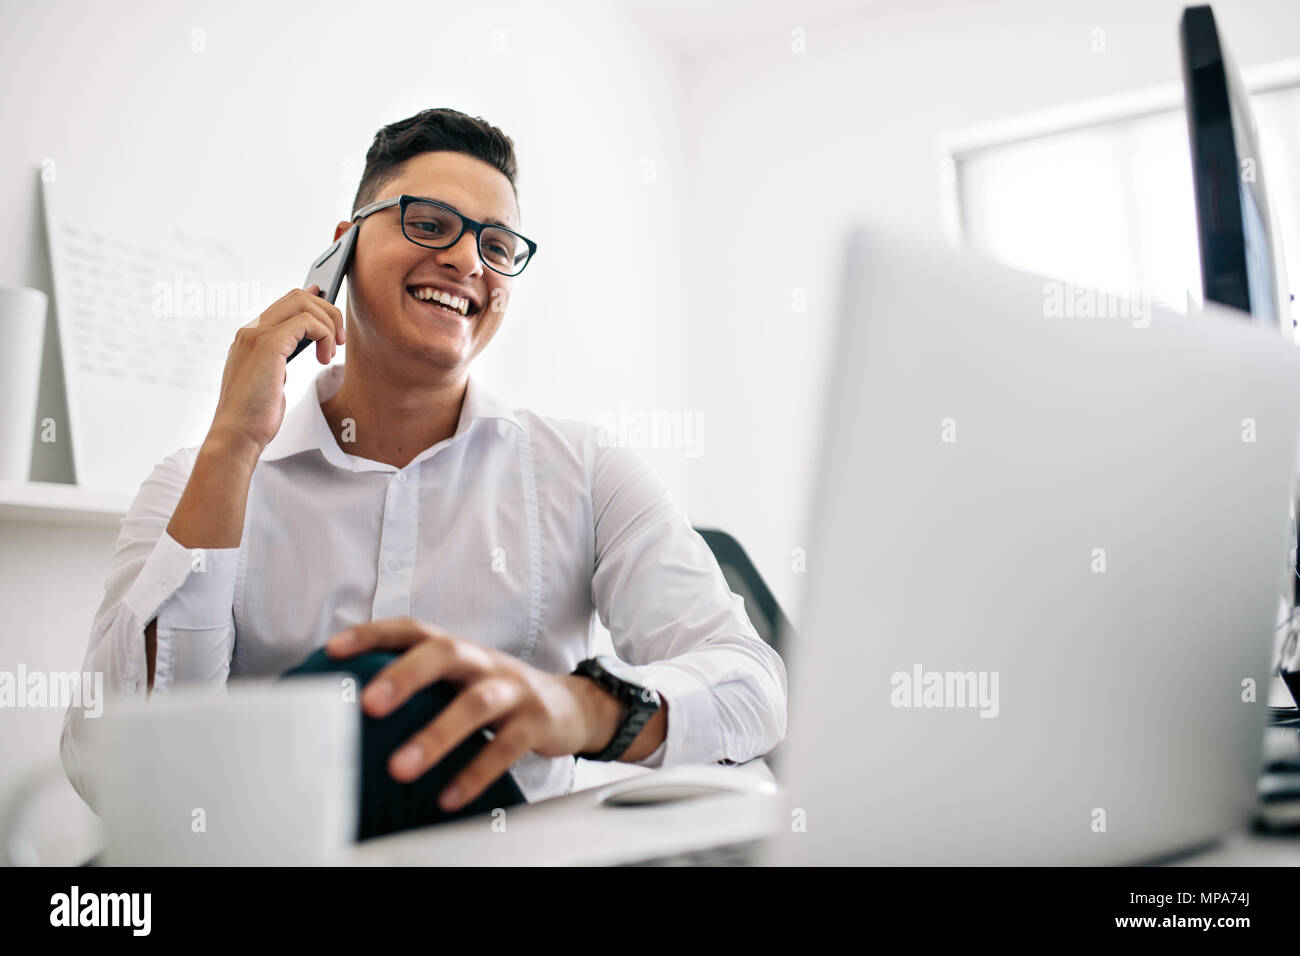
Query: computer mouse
x: 684, y: 783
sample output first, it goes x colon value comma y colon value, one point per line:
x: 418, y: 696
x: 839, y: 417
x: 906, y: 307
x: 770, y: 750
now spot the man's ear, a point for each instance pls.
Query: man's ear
x: 341, y: 228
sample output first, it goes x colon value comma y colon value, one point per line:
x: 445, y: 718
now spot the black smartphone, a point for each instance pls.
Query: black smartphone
x: 328, y: 271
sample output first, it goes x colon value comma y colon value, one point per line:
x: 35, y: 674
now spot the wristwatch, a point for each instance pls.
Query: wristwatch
x: 640, y: 702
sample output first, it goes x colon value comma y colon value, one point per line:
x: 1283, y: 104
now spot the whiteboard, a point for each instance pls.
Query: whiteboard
x: 146, y: 314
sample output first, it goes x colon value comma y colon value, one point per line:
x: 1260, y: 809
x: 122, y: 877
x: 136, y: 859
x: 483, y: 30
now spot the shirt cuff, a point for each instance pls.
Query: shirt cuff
x: 187, y: 590
x: 691, y: 726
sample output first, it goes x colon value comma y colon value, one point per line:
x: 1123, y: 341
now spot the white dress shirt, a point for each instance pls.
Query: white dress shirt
x: 510, y: 534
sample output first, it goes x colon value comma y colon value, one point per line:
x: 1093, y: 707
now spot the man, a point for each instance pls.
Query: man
x: 400, y: 508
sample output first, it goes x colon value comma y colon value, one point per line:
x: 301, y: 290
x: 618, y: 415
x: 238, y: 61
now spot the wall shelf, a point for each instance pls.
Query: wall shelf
x: 46, y: 501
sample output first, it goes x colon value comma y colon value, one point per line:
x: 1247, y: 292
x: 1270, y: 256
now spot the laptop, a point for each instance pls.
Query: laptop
x: 1047, y: 545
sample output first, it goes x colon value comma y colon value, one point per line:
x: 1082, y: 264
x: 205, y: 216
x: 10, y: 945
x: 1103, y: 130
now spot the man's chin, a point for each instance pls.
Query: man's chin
x: 438, y: 353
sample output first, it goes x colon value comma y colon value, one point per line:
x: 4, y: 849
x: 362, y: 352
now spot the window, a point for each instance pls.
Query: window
x: 1101, y: 195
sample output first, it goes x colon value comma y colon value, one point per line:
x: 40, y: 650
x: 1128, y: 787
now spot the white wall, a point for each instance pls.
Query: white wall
x: 848, y: 131
x: 51, y: 582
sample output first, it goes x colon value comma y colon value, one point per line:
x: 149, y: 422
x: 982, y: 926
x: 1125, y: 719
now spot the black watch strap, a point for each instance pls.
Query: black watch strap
x: 639, y: 703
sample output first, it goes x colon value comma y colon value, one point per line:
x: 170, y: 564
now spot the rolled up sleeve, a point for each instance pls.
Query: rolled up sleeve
x: 659, y: 591
x: 189, y: 591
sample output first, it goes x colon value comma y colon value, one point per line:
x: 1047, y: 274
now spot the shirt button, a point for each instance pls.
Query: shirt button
x: 394, y: 564
x: 401, y: 476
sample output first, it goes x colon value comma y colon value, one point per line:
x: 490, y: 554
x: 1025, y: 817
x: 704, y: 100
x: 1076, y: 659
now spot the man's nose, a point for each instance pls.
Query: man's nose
x: 463, y: 254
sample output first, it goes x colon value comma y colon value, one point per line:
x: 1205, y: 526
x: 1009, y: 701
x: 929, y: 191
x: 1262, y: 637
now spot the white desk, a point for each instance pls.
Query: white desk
x: 577, y: 830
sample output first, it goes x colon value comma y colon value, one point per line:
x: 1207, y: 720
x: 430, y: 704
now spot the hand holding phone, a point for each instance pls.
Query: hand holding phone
x: 250, y: 408
x: 328, y: 271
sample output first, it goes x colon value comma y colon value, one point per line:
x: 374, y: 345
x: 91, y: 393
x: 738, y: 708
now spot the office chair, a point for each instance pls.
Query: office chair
x: 760, y: 604
x: 743, y: 578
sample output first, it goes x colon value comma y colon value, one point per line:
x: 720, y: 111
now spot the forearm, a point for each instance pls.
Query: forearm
x: 151, y: 650
x: 652, y: 735
x: 605, y: 715
x: 210, y: 513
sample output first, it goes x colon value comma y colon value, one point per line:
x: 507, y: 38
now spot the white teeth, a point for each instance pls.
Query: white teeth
x: 453, y: 302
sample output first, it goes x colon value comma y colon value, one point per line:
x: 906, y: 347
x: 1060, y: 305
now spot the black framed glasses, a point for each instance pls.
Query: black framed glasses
x: 435, y: 225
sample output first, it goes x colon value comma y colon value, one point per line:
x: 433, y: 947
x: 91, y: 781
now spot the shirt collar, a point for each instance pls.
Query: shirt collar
x: 304, y: 426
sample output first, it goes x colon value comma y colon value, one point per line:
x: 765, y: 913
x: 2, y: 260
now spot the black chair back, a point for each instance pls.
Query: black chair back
x: 743, y: 578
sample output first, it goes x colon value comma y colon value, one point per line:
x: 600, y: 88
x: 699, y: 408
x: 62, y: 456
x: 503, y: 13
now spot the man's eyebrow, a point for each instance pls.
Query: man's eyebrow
x: 492, y: 221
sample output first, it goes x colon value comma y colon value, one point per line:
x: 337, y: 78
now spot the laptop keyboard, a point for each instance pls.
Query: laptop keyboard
x: 744, y: 853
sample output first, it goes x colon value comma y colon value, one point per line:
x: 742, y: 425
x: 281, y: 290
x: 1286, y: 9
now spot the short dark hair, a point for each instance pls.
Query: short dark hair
x: 429, y: 131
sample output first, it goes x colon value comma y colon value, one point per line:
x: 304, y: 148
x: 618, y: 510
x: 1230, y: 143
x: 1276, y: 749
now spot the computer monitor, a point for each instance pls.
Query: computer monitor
x: 1241, y: 265
x: 1241, y: 258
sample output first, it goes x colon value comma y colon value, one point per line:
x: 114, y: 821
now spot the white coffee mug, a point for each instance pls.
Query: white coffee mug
x: 265, y: 773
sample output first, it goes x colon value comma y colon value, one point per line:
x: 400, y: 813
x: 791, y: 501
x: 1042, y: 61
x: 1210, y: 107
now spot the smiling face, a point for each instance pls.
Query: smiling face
x: 394, y: 329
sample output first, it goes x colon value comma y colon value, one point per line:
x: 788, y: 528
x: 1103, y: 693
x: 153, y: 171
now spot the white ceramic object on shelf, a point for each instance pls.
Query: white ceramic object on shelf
x: 22, y: 330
